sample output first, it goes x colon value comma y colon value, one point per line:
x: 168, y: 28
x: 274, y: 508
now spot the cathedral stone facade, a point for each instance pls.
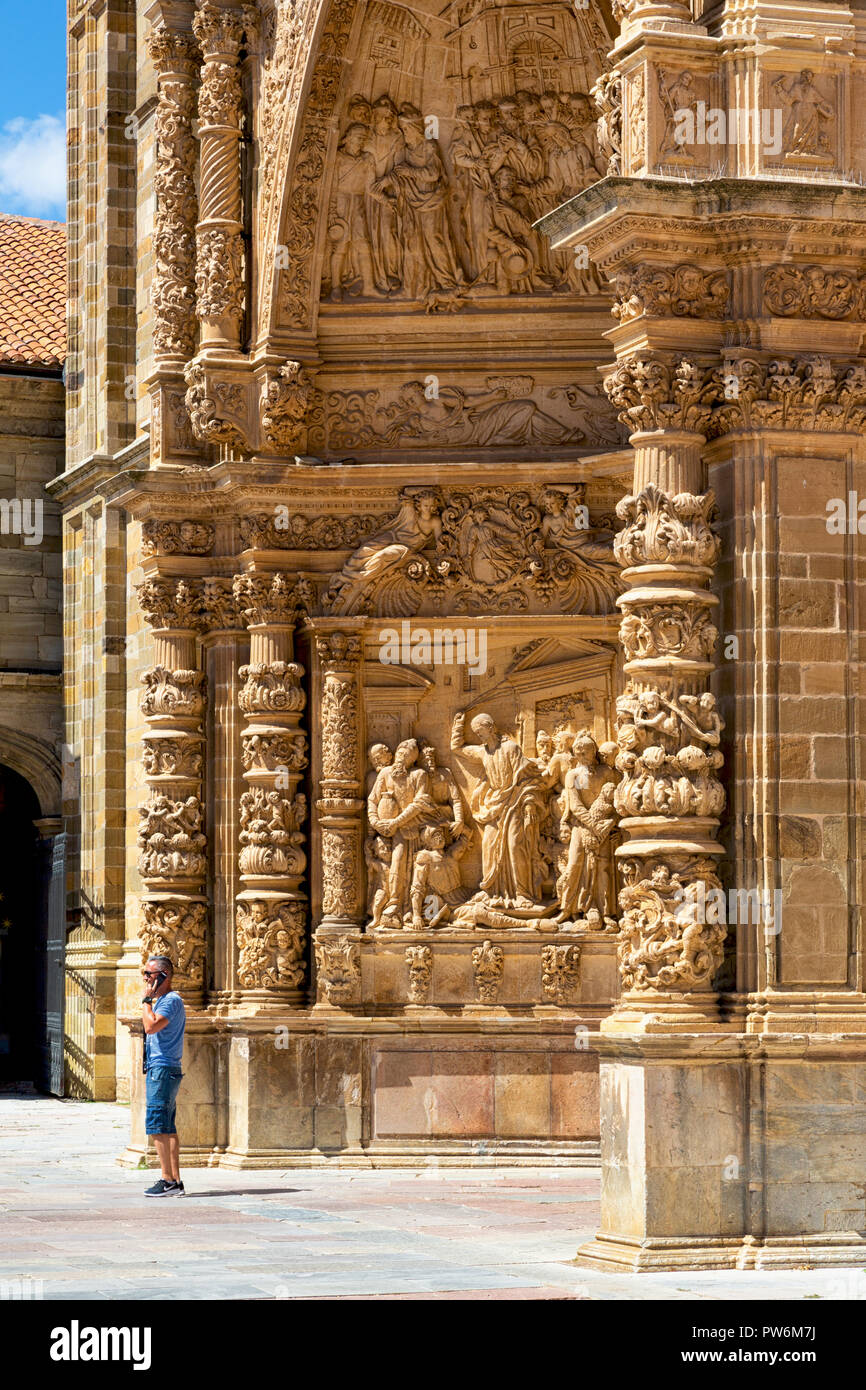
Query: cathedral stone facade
x: 461, y: 667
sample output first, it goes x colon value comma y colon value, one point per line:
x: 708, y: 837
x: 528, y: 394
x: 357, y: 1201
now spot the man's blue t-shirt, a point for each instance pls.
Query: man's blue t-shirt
x: 165, y: 1048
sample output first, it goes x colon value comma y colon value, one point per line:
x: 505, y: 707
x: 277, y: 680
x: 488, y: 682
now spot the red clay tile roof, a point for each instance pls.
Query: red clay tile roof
x: 32, y: 292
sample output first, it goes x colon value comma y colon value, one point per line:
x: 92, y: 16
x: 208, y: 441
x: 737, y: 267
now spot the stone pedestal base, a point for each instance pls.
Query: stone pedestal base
x: 731, y: 1151
x: 428, y: 1087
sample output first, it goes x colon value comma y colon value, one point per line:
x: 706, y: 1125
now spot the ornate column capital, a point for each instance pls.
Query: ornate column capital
x: 663, y: 391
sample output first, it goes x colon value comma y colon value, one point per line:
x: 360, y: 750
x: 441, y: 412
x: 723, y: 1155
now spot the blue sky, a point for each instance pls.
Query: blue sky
x: 32, y: 107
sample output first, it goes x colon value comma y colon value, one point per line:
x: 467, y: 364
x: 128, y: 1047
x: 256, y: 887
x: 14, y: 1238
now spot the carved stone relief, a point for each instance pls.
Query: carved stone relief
x: 486, y: 549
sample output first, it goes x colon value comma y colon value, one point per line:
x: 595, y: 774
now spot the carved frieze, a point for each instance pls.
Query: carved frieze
x: 686, y: 291
x: 176, y: 537
x: 281, y: 530
x: 814, y: 292
x: 485, y: 549
x: 507, y: 411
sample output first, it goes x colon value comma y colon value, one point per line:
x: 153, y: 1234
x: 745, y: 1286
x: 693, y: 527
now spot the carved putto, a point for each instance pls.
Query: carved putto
x: 172, y: 757
x: 270, y: 833
x: 487, y: 549
x: 170, y: 839
x: 270, y: 938
x: 664, y: 943
x: 177, y: 930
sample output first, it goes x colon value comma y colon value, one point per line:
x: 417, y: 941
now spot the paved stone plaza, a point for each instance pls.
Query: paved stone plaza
x: 77, y: 1224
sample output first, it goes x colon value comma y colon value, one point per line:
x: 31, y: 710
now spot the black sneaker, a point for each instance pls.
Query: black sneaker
x: 163, y: 1188
x: 177, y: 1190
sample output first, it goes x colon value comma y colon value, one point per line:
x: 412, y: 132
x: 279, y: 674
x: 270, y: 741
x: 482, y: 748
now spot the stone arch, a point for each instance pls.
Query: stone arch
x: 36, y: 761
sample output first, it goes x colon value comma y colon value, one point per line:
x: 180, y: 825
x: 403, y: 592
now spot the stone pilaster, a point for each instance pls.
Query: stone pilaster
x: 340, y: 809
x: 175, y: 60
x: 171, y: 841
x: 220, y: 273
x: 670, y: 798
x: 271, y: 908
x: 224, y: 643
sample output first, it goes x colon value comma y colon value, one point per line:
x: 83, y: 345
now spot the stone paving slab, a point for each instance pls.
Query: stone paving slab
x: 72, y: 1219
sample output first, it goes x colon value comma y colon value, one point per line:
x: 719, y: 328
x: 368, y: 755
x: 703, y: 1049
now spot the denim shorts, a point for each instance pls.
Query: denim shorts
x: 161, y: 1090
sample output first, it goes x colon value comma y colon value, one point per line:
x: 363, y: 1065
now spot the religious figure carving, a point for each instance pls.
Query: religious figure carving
x: 808, y: 112
x: 508, y: 804
x: 588, y: 818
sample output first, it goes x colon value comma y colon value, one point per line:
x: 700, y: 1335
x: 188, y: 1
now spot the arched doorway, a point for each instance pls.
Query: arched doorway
x: 22, y: 930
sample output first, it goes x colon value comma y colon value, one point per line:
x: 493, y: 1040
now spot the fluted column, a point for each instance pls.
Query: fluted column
x: 220, y: 274
x: 670, y: 797
x: 171, y: 841
x: 271, y: 908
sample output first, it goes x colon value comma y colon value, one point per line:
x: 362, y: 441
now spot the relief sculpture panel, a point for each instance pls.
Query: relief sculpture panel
x: 457, y: 130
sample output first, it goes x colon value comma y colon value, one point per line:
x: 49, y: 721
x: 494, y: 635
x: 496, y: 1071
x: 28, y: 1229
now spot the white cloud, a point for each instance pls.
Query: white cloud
x: 33, y: 166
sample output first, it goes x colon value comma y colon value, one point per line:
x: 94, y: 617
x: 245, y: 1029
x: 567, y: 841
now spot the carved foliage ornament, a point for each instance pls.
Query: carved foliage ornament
x: 560, y: 973
x: 488, y: 962
x: 177, y: 537
x: 813, y: 292
x: 270, y: 833
x: 174, y: 694
x: 667, y: 530
x: 173, y: 289
x: 684, y: 292
x: 282, y: 531
x: 271, y: 599
x: 171, y: 604
x: 285, y: 401
x: 420, y: 962
x: 217, y: 408
x: 338, y: 966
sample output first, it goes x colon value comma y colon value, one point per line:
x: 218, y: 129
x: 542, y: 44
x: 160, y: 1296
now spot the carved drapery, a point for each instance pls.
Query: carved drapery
x: 668, y: 731
x: 340, y: 807
x: 271, y: 908
x: 171, y: 841
x: 220, y: 275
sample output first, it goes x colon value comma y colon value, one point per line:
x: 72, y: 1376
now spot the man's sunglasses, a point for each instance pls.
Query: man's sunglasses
x: 151, y: 974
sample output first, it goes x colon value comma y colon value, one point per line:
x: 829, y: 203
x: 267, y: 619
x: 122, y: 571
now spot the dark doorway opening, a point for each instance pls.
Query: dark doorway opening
x: 22, y: 932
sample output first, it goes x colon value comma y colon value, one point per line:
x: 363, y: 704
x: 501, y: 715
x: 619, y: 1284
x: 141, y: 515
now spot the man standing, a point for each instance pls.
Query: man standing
x: 164, y: 1019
